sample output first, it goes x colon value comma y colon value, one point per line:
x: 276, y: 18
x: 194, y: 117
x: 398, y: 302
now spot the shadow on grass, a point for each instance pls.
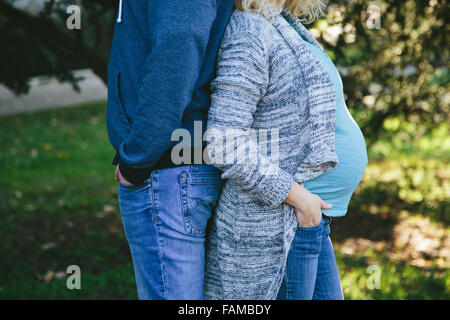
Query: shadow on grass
x: 361, y: 223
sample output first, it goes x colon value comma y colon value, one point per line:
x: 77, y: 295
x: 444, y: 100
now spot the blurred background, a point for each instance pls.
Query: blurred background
x: 58, y: 202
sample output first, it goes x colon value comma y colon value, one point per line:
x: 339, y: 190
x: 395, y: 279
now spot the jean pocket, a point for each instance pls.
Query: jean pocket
x: 133, y: 199
x: 199, y: 193
x: 322, y: 224
x: 310, y: 229
x: 129, y: 186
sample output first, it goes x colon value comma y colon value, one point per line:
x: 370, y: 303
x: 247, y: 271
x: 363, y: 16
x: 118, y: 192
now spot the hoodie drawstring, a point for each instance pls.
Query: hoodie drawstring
x: 119, y: 18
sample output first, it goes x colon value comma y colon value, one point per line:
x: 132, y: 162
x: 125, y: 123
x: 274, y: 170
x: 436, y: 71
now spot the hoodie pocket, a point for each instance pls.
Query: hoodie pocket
x: 117, y: 120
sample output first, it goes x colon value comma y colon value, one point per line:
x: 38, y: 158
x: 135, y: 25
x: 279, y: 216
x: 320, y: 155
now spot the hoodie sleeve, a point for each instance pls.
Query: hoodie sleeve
x: 180, y: 35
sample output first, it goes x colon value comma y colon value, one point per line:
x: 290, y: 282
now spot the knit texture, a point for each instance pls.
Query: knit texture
x: 267, y: 80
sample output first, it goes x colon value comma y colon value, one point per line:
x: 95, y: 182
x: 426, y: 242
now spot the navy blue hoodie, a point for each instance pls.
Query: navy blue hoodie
x: 161, y: 64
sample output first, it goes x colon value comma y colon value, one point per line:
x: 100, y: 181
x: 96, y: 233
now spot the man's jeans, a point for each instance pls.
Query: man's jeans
x: 165, y: 222
x: 311, y: 270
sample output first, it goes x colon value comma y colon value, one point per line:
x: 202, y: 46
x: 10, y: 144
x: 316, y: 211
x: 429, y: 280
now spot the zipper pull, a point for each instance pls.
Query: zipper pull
x: 119, y: 18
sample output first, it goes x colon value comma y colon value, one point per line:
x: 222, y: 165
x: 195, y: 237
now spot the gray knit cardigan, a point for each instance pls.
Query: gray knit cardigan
x: 267, y: 79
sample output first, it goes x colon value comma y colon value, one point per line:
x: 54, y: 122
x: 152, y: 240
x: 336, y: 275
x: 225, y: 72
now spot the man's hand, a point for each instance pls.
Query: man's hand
x: 118, y: 176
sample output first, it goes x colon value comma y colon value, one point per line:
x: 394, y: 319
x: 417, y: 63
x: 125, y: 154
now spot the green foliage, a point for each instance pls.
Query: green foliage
x: 399, y: 69
x: 36, y: 45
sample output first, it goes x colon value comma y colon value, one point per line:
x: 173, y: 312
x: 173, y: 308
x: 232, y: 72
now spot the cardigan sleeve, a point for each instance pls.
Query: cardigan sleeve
x: 241, y: 81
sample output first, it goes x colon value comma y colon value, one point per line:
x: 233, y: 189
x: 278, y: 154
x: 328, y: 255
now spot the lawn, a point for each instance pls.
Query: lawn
x: 58, y: 207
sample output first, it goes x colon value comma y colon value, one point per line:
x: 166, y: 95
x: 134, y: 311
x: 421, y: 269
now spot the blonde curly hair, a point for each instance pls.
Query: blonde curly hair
x: 306, y: 10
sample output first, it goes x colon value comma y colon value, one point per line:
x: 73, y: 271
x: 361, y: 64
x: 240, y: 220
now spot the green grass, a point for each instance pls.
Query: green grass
x: 58, y: 207
x: 398, y: 281
x: 58, y: 191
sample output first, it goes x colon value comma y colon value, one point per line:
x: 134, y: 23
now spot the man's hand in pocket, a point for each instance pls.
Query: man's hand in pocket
x: 120, y: 178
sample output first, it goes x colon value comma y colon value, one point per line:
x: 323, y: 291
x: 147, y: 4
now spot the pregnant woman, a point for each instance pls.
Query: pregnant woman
x: 268, y: 238
x: 311, y: 271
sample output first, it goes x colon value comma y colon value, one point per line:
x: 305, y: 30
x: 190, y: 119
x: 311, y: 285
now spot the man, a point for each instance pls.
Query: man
x: 161, y: 64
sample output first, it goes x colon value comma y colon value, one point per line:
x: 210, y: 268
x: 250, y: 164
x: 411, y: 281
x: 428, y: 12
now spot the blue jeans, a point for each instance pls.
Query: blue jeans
x: 311, y: 270
x: 165, y: 222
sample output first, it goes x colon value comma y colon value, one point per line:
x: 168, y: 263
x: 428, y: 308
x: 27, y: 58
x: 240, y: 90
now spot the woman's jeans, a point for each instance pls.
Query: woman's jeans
x: 311, y: 270
x: 165, y: 222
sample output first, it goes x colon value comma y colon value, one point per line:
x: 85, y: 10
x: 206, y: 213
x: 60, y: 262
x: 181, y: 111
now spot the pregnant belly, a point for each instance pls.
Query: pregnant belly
x: 337, y: 185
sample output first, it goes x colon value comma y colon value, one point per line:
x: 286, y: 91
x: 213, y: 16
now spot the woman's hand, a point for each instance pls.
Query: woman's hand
x: 311, y: 214
x: 308, y: 206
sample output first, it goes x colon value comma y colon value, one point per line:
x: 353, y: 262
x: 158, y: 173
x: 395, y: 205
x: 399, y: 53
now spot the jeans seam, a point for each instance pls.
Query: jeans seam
x: 161, y: 260
x: 184, y: 198
x: 286, y: 278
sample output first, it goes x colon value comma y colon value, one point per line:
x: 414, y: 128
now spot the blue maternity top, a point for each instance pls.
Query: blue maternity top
x: 336, y: 186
